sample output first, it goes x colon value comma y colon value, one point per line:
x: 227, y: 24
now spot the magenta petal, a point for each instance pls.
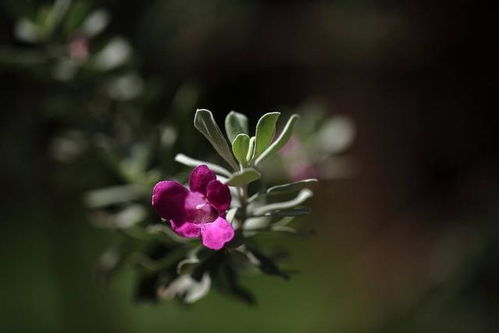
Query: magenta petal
x: 218, y: 195
x: 186, y: 229
x: 198, y: 210
x: 168, y: 199
x: 199, y: 179
x: 214, y: 235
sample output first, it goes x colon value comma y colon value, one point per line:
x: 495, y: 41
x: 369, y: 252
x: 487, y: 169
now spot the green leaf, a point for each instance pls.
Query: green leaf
x: 235, y: 123
x: 189, y: 161
x: 240, y: 147
x: 231, y: 214
x: 291, y: 187
x: 284, y: 221
x: 289, y: 212
x: 251, y: 149
x: 265, y: 131
x: 284, y: 229
x: 281, y: 140
x: 185, y: 266
x: 280, y: 206
x: 205, y: 123
x: 114, y: 195
x: 187, y: 289
x: 243, y: 177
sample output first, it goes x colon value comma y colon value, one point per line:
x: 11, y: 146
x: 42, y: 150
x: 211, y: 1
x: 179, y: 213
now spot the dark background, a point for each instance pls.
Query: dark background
x: 409, y: 244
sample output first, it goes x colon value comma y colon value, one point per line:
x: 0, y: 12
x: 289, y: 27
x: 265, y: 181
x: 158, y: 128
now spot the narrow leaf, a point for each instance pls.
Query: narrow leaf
x: 284, y: 221
x: 235, y: 123
x: 281, y: 140
x: 185, y: 266
x: 291, y: 187
x: 265, y: 131
x: 243, y: 177
x: 205, y: 123
x: 113, y: 195
x: 251, y: 149
x: 231, y: 214
x: 187, y: 289
x: 279, y: 206
x: 240, y: 147
x: 289, y: 212
x: 284, y: 229
x: 189, y: 161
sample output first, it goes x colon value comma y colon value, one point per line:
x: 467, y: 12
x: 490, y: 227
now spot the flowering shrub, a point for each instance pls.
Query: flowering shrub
x: 194, y: 238
x: 226, y: 208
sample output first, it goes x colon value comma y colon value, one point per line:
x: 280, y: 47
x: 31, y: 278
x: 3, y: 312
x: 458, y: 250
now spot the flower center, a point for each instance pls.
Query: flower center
x: 201, y: 211
x: 201, y: 205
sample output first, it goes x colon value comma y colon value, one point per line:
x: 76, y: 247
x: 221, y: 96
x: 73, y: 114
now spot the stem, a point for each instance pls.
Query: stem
x: 243, y: 199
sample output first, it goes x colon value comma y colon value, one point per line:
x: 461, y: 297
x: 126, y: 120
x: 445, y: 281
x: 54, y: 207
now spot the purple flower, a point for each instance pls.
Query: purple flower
x: 199, y: 212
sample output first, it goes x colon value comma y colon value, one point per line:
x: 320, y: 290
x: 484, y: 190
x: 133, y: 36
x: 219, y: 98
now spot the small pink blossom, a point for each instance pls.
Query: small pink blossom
x: 78, y: 48
x: 296, y: 161
x: 198, y: 212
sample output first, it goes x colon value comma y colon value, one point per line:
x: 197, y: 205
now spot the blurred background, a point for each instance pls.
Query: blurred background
x: 398, y: 122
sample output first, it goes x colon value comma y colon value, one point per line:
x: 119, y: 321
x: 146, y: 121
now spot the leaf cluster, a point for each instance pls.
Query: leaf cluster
x: 172, y: 267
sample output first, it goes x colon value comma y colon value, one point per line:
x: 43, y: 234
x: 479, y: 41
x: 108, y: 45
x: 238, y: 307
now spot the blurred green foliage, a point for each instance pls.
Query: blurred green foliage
x: 406, y: 243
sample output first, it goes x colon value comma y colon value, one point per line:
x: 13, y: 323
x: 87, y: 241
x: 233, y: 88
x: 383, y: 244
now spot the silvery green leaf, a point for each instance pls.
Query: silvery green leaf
x: 187, y: 288
x: 251, y: 149
x: 290, y: 212
x: 95, y: 23
x: 235, y: 123
x: 185, y: 266
x: 240, y: 147
x: 243, y: 177
x: 168, y: 136
x: 283, y: 229
x: 28, y: 31
x: 205, y: 123
x: 113, y: 195
x: 335, y: 135
x: 189, y: 161
x: 231, y: 214
x: 265, y: 131
x: 256, y: 222
x: 234, y: 193
x: 116, y: 53
x: 284, y: 221
x: 129, y: 216
x: 280, y: 206
x: 291, y: 187
x: 191, y: 260
x: 280, y: 141
x: 254, y: 225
